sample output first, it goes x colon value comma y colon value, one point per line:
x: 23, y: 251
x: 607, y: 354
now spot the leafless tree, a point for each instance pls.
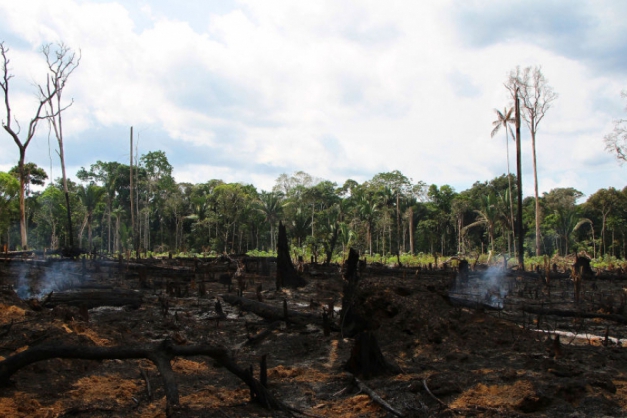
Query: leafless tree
x: 536, y: 96
x: 13, y: 128
x: 62, y: 62
x: 616, y: 141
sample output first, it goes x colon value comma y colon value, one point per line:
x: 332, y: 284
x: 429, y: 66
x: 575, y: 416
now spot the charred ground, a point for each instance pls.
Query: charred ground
x: 455, y: 358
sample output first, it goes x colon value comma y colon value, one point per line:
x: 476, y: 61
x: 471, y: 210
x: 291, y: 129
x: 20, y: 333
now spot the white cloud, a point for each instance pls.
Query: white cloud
x: 331, y: 88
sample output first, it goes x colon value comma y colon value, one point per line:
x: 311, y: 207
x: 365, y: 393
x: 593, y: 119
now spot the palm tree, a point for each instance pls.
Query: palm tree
x: 368, y: 210
x: 90, y: 197
x: 504, y: 120
x: 270, y: 204
x: 584, y: 221
x: 487, y: 215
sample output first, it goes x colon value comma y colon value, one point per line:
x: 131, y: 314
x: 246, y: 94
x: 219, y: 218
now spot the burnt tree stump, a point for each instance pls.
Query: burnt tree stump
x: 366, y: 359
x: 353, y: 318
x: 286, y: 274
x: 582, y: 267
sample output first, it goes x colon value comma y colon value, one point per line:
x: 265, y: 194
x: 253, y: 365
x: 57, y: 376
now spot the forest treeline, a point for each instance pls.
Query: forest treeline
x: 387, y: 215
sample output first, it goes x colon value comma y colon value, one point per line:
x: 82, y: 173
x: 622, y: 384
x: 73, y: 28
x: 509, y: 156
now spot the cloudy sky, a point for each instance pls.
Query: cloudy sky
x: 247, y: 90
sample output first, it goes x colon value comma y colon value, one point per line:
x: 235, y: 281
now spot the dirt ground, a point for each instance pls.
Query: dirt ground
x: 454, y: 360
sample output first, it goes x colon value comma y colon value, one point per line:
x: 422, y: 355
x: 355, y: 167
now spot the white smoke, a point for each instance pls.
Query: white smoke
x: 489, y: 287
x: 36, y: 281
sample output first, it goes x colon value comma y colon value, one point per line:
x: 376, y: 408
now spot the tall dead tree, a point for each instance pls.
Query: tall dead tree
x: 13, y: 128
x: 519, y: 217
x: 61, y: 64
x: 286, y: 274
x: 536, y: 95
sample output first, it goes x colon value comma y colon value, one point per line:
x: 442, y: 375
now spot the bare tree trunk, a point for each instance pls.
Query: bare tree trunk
x: 519, y: 223
x: 109, y: 248
x: 23, y: 232
x: 134, y: 244
x: 535, y: 180
x: 411, y: 230
x: 398, y: 225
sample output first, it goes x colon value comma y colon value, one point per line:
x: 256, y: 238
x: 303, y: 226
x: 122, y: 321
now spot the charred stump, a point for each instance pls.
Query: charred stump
x: 353, y: 316
x: 582, y: 267
x: 366, y: 358
x: 463, y: 270
x: 581, y: 271
x: 286, y: 274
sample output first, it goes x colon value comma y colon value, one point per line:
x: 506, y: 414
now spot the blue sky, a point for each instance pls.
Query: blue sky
x: 247, y: 90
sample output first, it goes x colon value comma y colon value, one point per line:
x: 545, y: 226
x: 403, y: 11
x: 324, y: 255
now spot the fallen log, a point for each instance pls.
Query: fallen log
x: 273, y: 313
x: 161, y: 354
x: 575, y: 314
x: 95, y: 298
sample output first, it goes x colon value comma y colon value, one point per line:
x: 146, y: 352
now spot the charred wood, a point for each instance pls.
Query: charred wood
x: 353, y: 317
x: 376, y: 398
x: 286, y: 274
x: 274, y: 313
x: 95, y: 298
x: 262, y: 335
x: 160, y: 354
x: 366, y: 358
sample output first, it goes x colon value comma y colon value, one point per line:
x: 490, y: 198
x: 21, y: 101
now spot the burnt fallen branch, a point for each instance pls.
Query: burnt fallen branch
x: 376, y: 398
x: 472, y: 304
x: 161, y: 354
x: 575, y: 314
x: 273, y: 313
x: 424, y: 383
x: 261, y: 335
x: 94, y: 298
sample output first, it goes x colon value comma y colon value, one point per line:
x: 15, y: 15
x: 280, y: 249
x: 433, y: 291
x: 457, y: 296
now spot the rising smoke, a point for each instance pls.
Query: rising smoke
x: 489, y: 287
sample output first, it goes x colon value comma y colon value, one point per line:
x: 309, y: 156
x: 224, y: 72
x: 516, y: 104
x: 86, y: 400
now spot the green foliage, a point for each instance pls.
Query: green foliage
x: 387, y: 219
x: 9, y: 208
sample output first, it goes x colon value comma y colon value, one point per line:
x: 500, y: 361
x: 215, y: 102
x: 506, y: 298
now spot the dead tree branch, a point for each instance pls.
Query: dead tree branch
x: 376, y: 398
x: 160, y: 354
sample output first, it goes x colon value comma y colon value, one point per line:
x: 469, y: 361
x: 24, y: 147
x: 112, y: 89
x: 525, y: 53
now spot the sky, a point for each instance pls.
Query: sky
x: 245, y: 91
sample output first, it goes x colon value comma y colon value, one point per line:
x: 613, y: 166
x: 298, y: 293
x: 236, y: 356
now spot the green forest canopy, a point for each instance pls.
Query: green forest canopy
x: 387, y: 215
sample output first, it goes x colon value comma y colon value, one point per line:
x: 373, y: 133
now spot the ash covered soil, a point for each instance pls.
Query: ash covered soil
x: 454, y: 361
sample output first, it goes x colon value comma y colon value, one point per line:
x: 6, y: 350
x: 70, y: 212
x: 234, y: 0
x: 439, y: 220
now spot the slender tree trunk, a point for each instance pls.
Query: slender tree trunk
x: 132, y: 197
x: 109, y: 247
x: 59, y: 134
x: 398, y: 225
x: 535, y: 186
x: 511, y: 201
x: 535, y: 189
x: 89, y: 240
x: 519, y: 222
x: 23, y: 232
x: 411, y: 230
x: 603, y: 249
